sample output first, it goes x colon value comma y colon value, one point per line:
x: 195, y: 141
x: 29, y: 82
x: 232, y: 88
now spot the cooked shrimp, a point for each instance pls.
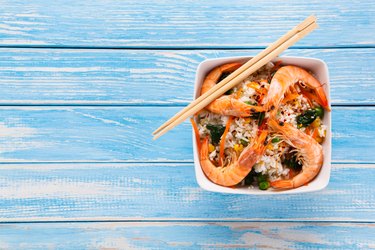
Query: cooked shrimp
x: 285, y: 78
x: 239, y: 168
x: 309, y: 152
x: 226, y: 104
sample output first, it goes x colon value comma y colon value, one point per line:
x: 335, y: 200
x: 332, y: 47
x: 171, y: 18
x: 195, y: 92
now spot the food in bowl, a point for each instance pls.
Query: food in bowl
x: 265, y: 132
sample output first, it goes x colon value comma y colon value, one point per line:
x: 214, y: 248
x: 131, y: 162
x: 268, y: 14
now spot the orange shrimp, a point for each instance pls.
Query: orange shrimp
x: 286, y: 77
x: 309, y: 151
x: 239, y: 168
x: 226, y: 104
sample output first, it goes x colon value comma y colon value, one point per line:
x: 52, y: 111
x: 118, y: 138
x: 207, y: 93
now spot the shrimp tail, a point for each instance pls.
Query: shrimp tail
x: 319, y: 91
x: 282, y: 184
x: 204, y: 149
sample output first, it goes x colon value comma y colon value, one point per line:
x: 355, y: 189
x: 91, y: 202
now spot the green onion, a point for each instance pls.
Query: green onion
x: 275, y: 140
x: 251, y: 103
x: 261, y: 118
x: 244, y: 143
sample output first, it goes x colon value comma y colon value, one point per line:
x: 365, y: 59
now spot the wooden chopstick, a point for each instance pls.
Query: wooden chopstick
x: 245, y: 66
x: 240, y: 74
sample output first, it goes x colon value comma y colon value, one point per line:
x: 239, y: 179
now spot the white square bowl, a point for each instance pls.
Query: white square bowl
x: 320, y: 70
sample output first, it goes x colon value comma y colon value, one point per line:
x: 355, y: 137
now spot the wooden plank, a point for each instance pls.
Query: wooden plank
x: 139, y: 191
x: 145, y: 77
x: 188, y: 24
x: 118, y: 134
x: 166, y: 235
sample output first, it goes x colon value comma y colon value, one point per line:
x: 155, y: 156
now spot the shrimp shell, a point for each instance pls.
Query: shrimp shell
x: 226, y: 104
x: 286, y: 77
x: 239, y: 168
x: 309, y: 151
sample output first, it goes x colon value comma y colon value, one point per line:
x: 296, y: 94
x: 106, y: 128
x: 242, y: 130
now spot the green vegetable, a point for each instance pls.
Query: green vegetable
x: 222, y: 77
x: 251, y: 103
x: 255, y: 115
x: 263, y: 182
x: 249, y: 179
x: 261, y: 118
x: 275, y: 140
x: 262, y: 178
x: 216, y: 132
x: 229, y: 92
x: 271, y: 76
x: 244, y: 143
x: 306, y: 118
x: 258, y: 116
x: 293, y: 163
x: 319, y: 112
x: 264, y: 185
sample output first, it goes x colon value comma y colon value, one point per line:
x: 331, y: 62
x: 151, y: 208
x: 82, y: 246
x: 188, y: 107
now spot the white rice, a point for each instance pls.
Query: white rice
x: 288, y: 112
x: 271, y: 162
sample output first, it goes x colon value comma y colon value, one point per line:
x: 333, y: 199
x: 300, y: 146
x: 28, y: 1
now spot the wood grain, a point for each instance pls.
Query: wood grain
x: 118, y: 134
x: 167, y: 235
x: 150, y: 77
x: 148, y: 189
x: 189, y: 24
x: 168, y: 191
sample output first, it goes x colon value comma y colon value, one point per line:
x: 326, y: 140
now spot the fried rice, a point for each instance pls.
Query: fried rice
x: 243, y: 130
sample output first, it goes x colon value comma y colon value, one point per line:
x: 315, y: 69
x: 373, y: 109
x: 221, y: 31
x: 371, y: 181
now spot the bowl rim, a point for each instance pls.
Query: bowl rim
x: 208, y: 185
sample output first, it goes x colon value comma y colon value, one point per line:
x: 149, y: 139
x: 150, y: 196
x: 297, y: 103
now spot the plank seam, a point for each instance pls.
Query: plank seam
x: 141, y: 105
x: 365, y: 46
x: 186, y: 221
x: 144, y: 162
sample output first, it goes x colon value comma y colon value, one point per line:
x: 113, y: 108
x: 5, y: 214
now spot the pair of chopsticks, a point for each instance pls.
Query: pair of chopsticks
x: 272, y: 51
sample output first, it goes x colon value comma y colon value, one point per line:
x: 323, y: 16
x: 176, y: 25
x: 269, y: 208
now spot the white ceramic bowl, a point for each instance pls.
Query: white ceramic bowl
x: 320, y: 70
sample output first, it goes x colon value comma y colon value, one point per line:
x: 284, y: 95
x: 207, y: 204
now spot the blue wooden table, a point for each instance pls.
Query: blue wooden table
x: 83, y: 85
